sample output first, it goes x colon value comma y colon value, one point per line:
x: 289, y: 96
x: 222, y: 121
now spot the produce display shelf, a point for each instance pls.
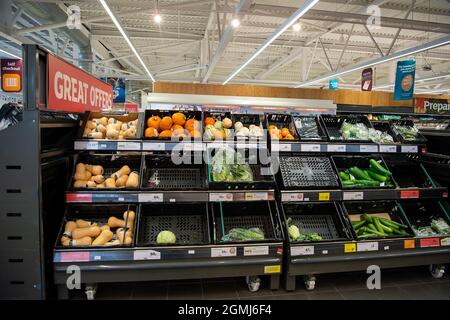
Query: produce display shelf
x: 343, y: 147
x: 363, y: 194
x: 167, y: 196
x: 329, y: 257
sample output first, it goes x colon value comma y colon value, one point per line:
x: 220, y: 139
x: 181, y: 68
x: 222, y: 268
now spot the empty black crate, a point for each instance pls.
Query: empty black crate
x: 342, y: 163
x: 188, y: 221
x: 419, y: 138
x: 385, y: 127
x: 282, y: 121
x: 246, y: 215
x: 110, y: 163
x: 197, y: 115
x: 309, y: 128
x: 385, y: 209
x: 307, y: 172
x: 96, y: 213
x: 161, y: 173
x: 333, y: 125
x: 420, y: 215
x: 408, y: 173
x: 262, y: 173
x: 324, y: 219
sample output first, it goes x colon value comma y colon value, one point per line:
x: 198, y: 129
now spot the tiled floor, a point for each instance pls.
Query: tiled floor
x: 406, y: 283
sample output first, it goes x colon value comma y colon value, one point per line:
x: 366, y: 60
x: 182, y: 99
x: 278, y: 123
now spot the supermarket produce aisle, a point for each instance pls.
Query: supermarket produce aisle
x: 396, y: 284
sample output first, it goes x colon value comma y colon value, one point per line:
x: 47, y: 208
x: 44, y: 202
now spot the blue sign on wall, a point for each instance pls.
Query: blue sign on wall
x: 404, y: 80
x: 334, y: 84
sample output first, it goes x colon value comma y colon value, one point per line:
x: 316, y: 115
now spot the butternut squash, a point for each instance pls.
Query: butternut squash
x: 112, y: 120
x: 86, y: 232
x: 85, y: 241
x: 104, y: 237
x: 88, y: 167
x: 80, y: 167
x: 85, y: 175
x: 83, y: 223
x: 97, y: 170
x: 129, y: 215
x: 86, y: 132
x: 128, y: 236
x: 130, y: 133
x: 120, y: 137
x: 96, y: 121
x: 68, y: 228
x: 104, y: 121
x: 104, y: 227
x: 101, y: 185
x: 90, y: 125
x: 101, y: 128
x: 95, y: 135
x: 125, y: 127
x: 98, y: 178
x: 118, y: 125
x: 114, y: 222
x: 80, y: 184
x: 122, y: 181
x: 112, y: 133
x: 133, y: 180
x: 91, y: 184
x: 110, y: 183
x: 122, y: 171
x: 113, y: 243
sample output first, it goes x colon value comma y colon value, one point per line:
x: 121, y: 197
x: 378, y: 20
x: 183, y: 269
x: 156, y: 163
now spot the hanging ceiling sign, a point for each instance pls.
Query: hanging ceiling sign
x: 432, y: 106
x: 404, y: 80
x: 71, y: 89
x: 334, y: 84
x: 11, y: 71
x: 366, y: 79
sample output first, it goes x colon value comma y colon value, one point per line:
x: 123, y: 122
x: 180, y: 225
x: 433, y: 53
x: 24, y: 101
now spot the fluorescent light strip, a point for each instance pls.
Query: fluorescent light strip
x: 397, y: 55
x: 289, y: 22
x: 124, y: 35
x: 9, y: 53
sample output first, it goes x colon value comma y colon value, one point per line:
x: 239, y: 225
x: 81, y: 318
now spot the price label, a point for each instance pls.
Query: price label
x: 353, y: 196
x: 324, y: 196
x: 103, y: 146
x: 246, y: 145
x: 153, y: 146
x: 349, y: 247
x: 256, y: 251
x: 388, y: 148
x: 75, y: 256
x: 367, y: 246
x: 272, y: 269
x: 86, y: 145
x: 220, y: 196
x: 445, y: 242
x: 79, y: 197
x: 120, y: 199
x: 256, y: 196
x: 409, y: 194
x: 429, y: 242
x: 409, y: 244
x: 368, y: 148
x: 128, y: 145
x: 146, y: 255
x: 285, y: 147
x: 223, y: 252
x: 291, y: 197
x: 310, y: 147
x: 150, y: 197
x: 302, y: 251
x: 409, y: 149
x: 336, y: 148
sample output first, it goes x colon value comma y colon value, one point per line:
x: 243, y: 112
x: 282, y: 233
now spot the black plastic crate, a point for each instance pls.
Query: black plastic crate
x: 98, y: 213
x: 282, y: 121
x: 323, y: 218
x: 263, y: 177
x: 247, y: 120
x: 307, y: 172
x: 110, y: 163
x: 188, y: 221
x: 309, y: 128
x: 386, y: 209
x: 218, y: 116
x: 258, y: 214
x: 197, y: 115
x: 385, y: 127
x: 408, y: 173
x: 410, y: 123
x: 341, y: 163
x: 333, y: 125
x: 160, y: 173
x: 419, y: 214
x: 120, y: 116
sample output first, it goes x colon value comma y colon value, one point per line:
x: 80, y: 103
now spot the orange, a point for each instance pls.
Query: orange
x: 285, y: 132
x: 192, y: 124
x: 165, y: 134
x: 209, y: 120
x: 179, y: 118
x: 195, y: 134
x: 151, y: 132
x: 165, y: 123
x: 289, y: 137
x: 153, y: 122
x: 177, y: 127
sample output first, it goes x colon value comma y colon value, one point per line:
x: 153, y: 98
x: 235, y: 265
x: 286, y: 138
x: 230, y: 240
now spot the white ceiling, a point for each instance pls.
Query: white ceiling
x: 184, y: 46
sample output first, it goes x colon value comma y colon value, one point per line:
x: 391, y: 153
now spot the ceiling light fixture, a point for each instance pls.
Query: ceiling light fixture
x: 10, y: 54
x: 297, y: 27
x: 289, y: 22
x: 397, y: 55
x: 157, y: 18
x: 124, y: 35
x: 235, y: 23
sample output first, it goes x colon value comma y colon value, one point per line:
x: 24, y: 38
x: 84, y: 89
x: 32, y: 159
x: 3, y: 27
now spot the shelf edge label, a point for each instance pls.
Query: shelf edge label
x: 272, y: 269
x: 407, y: 194
x: 157, y: 146
x: 353, y: 195
x: 146, y: 255
x: 223, y: 252
x: 220, y: 196
x: 310, y: 147
x: 150, y: 197
x: 336, y: 148
x: 349, y: 247
x: 74, y: 256
x: 256, y: 251
x: 368, y: 148
x: 302, y: 250
x: 388, y: 148
x: 367, y: 246
x: 324, y: 196
x: 128, y: 145
x: 409, y: 149
x: 429, y: 242
x: 291, y: 197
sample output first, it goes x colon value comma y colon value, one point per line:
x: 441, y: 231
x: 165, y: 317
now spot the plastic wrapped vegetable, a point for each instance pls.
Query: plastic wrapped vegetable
x: 407, y: 132
x: 241, y: 234
x: 351, y: 131
x: 378, y: 136
x: 228, y: 165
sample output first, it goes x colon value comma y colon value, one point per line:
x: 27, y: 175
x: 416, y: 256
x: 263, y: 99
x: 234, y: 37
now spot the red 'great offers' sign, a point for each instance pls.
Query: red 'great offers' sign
x: 72, y: 89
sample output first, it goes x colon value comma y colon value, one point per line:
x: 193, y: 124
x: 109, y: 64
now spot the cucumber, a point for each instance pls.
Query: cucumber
x: 378, y: 226
x: 367, y: 183
x: 385, y: 229
x: 372, y: 227
x: 367, y: 218
x: 366, y: 172
x: 374, y: 165
x: 348, y: 182
x: 344, y: 176
x: 359, y: 224
x: 376, y: 176
x: 367, y: 235
x: 391, y: 223
x: 359, y: 174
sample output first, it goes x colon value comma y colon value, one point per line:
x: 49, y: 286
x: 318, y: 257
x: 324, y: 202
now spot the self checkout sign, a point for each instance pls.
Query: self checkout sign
x: 71, y: 89
x: 11, y: 71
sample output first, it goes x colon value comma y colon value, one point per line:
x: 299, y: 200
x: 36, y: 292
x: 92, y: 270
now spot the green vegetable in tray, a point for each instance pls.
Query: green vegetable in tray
x: 357, y: 131
x: 407, y: 132
x: 294, y: 232
x: 344, y: 176
x: 370, y: 227
x: 295, y: 235
x: 440, y: 226
x: 228, y: 165
x: 166, y: 237
x: 375, y: 166
x: 241, y: 234
x: 374, y: 176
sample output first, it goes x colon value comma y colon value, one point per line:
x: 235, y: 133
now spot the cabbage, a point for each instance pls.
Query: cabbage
x: 294, y: 232
x: 165, y: 237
